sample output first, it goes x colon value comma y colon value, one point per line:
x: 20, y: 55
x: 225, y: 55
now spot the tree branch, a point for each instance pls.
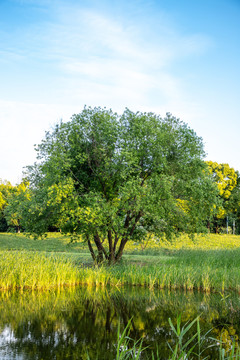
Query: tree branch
x: 137, y: 218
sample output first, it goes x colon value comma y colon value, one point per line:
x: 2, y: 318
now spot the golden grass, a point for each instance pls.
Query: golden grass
x: 207, y: 263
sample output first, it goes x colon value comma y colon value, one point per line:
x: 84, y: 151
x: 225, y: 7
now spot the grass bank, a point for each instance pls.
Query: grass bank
x: 203, y: 264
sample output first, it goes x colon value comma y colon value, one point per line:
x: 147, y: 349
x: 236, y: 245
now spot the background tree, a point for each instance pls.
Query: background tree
x: 15, y: 203
x: 227, y: 180
x: 232, y: 206
x: 115, y: 178
x: 6, y: 189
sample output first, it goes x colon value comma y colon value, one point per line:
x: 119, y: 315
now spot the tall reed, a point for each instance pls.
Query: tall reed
x: 187, y: 347
x: 32, y: 270
x: 186, y: 269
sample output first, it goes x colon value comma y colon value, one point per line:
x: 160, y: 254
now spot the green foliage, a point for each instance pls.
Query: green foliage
x: 114, y: 178
x: 224, y: 176
x: 228, y: 183
x: 6, y: 189
x: 11, y: 204
x: 15, y: 201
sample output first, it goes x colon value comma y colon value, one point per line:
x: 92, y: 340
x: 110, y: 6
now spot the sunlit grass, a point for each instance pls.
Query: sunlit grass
x: 54, y: 242
x: 203, y: 264
x: 35, y: 270
x: 25, y: 269
x: 62, y: 243
x: 200, y: 241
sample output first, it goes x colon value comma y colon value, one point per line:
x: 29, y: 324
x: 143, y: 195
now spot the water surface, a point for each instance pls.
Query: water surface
x: 72, y: 323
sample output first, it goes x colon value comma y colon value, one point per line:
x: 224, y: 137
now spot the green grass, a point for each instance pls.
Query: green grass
x: 54, y: 242
x: 203, y: 265
x: 25, y: 269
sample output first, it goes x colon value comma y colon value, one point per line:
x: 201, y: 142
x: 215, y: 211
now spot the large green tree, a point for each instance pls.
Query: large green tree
x: 116, y: 178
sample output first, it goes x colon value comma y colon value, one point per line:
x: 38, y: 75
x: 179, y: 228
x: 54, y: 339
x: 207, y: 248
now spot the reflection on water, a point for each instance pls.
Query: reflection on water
x: 75, y: 322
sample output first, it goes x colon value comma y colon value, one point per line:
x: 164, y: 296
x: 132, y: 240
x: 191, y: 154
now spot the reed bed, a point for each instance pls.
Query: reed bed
x: 174, y: 277
x: 189, y: 268
x: 35, y: 270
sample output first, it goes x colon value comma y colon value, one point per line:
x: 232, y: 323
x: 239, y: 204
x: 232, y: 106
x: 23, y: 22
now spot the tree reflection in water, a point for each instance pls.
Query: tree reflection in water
x: 75, y: 322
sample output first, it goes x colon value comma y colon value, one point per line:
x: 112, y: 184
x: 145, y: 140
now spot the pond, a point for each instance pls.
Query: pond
x: 72, y: 323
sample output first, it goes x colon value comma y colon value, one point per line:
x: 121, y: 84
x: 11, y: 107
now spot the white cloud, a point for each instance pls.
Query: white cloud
x: 95, y: 60
x: 104, y: 59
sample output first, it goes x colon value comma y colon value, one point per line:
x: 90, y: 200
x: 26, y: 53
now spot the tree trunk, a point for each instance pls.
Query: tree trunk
x: 100, y: 252
x: 110, y: 246
x: 91, y: 249
x: 120, y: 250
x: 115, y: 243
x: 100, y: 248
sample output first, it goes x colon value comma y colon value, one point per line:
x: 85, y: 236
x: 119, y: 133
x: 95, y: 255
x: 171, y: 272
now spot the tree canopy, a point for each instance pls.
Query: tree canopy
x: 10, y: 205
x: 5, y: 190
x: 224, y: 176
x: 113, y: 178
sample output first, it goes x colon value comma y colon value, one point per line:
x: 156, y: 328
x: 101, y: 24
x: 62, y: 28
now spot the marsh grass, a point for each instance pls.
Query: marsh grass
x: 34, y: 270
x: 189, y: 268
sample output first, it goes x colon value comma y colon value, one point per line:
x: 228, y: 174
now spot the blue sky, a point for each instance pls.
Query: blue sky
x: 163, y: 56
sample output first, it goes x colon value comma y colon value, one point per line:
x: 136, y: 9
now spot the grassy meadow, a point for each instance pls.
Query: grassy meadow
x: 206, y: 263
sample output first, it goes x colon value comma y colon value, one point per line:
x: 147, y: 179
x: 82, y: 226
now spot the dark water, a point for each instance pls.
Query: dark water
x: 75, y: 322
